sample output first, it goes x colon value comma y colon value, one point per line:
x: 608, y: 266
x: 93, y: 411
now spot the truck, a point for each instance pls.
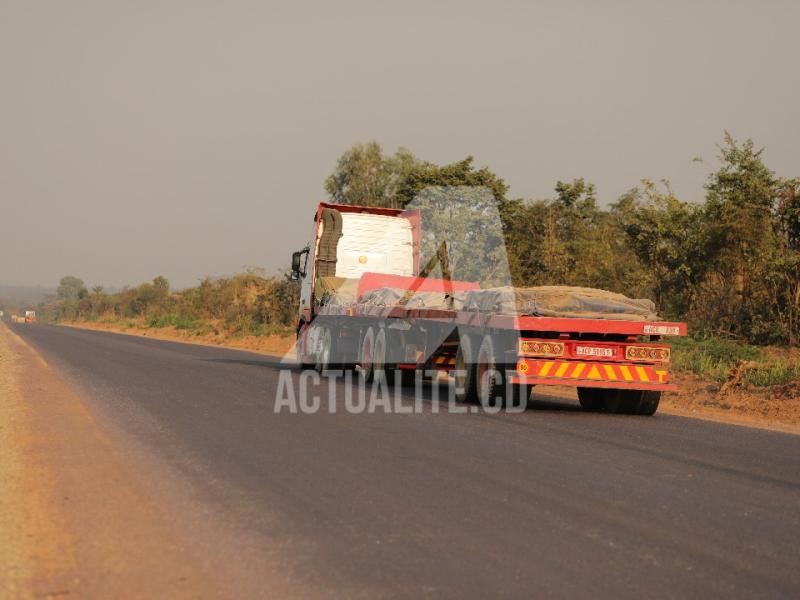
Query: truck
x: 392, y: 293
x: 30, y: 316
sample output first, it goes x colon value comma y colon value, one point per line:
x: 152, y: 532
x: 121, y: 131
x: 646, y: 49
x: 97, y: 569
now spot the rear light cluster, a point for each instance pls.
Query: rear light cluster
x: 533, y: 348
x: 646, y: 353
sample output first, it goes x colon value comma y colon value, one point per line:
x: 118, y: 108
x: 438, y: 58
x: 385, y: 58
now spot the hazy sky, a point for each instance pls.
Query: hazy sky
x: 191, y: 138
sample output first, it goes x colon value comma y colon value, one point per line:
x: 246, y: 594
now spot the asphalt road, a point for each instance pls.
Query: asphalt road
x: 551, y: 502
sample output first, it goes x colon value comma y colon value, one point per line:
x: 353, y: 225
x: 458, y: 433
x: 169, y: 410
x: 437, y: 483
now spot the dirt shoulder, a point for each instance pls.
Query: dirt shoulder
x: 776, y: 408
x: 72, y: 522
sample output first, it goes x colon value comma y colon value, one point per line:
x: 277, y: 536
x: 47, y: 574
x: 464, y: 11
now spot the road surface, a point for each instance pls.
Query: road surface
x: 551, y: 502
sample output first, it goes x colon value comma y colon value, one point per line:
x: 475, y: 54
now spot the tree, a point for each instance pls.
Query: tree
x: 71, y: 288
x: 742, y: 247
x: 663, y: 233
x: 161, y: 284
x: 461, y: 173
x: 364, y: 176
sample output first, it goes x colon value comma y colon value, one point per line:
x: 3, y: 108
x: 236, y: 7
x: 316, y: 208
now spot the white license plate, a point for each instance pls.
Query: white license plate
x: 661, y: 330
x: 591, y: 351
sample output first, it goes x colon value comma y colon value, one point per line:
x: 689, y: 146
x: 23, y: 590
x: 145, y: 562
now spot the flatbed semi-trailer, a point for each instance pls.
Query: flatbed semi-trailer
x: 620, y: 365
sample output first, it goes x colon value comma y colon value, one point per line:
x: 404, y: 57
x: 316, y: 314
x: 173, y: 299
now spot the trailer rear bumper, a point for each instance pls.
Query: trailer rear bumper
x: 595, y: 374
x: 590, y: 383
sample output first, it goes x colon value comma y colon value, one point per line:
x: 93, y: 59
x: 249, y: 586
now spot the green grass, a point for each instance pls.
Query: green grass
x: 714, y: 357
x: 180, y: 322
x: 773, y: 373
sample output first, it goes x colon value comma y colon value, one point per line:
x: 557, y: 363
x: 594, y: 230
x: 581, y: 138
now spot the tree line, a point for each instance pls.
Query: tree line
x: 729, y: 264
x: 248, y: 303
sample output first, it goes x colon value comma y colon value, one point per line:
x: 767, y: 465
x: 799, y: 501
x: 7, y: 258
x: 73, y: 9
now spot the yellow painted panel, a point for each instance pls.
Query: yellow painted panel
x: 546, y: 368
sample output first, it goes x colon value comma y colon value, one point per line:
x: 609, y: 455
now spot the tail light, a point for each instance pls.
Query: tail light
x: 647, y: 353
x: 537, y: 348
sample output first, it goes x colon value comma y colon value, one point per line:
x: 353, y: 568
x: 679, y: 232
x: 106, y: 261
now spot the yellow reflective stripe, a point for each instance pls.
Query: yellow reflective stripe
x: 610, y: 371
x: 546, y: 368
x: 593, y: 373
x: 661, y: 376
x: 626, y: 374
x: 578, y: 370
x: 562, y: 368
x: 642, y: 374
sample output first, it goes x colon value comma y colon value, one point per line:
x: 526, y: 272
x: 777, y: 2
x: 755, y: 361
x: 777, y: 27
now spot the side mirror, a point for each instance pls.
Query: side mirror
x: 298, y: 264
x: 296, y: 256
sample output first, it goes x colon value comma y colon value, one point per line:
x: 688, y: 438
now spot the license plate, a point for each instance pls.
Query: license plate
x: 591, y: 351
x: 661, y: 330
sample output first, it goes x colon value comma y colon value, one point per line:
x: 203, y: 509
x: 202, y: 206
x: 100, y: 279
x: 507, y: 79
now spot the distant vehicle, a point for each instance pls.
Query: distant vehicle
x: 30, y: 316
x: 2, y: 314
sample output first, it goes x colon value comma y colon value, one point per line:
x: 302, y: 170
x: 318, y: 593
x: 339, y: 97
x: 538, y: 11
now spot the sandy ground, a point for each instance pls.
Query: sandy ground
x: 776, y: 408
x: 72, y: 522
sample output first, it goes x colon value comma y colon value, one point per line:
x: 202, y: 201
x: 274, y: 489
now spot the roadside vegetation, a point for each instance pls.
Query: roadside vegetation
x: 727, y: 262
x: 247, y: 304
x: 721, y: 360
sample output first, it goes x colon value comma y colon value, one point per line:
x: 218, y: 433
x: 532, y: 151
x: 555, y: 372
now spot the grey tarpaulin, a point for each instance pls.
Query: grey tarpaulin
x: 543, y: 301
x: 560, y: 301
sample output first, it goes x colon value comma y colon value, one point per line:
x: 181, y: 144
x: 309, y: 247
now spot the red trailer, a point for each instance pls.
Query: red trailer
x: 369, y: 301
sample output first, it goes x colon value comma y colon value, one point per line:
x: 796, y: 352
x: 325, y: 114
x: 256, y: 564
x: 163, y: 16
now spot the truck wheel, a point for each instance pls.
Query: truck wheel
x: 465, y: 376
x: 402, y: 377
x: 298, y: 351
x: 622, y: 402
x: 324, y: 350
x: 379, y: 356
x: 591, y: 398
x: 366, y: 355
x: 648, y: 405
x: 522, y: 394
x: 489, y: 374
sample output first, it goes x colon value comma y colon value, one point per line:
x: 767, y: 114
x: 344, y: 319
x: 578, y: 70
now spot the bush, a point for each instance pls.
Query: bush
x: 247, y: 303
x: 715, y: 358
x: 711, y: 357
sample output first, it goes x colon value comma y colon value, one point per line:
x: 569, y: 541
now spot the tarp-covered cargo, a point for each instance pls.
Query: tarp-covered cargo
x: 388, y: 296
x: 336, y: 291
x: 560, y: 301
x: 542, y: 301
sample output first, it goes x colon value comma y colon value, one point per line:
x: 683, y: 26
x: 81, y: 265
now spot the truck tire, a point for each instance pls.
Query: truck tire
x: 622, y: 402
x: 401, y: 377
x: 648, y: 405
x: 298, y: 347
x: 366, y: 355
x: 489, y: 374
x: 591, y: 399
x: 465, y: 371
x: 521, y: 395
x: 379, y: 356
x: 394, y: 342
x: 324, y: 350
